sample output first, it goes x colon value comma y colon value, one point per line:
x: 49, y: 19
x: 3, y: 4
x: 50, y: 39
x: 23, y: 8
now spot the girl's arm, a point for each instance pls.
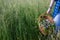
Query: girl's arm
x: 50, y: 6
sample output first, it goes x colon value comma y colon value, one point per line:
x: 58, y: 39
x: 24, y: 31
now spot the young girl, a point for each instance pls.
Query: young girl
x: 56, y: 13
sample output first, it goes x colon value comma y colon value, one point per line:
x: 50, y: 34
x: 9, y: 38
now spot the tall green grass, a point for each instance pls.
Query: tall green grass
x: 17, y: 19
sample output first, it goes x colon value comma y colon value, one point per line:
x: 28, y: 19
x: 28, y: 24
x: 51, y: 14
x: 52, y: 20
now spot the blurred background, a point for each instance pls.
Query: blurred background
x: 18, y: 18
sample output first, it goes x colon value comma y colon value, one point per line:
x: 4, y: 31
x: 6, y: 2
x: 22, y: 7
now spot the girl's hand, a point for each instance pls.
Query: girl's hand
x: 50, y: 19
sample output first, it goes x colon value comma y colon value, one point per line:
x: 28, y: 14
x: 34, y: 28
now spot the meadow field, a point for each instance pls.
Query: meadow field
x: 18, y: 18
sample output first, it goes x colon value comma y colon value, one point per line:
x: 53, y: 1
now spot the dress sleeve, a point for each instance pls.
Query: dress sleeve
x: 56, y: 0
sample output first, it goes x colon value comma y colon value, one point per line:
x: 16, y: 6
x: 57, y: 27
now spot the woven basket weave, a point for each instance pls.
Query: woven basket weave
x: 46, y: 24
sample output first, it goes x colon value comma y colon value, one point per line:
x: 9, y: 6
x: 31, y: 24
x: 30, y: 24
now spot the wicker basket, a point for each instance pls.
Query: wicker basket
x: 46, y: 24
